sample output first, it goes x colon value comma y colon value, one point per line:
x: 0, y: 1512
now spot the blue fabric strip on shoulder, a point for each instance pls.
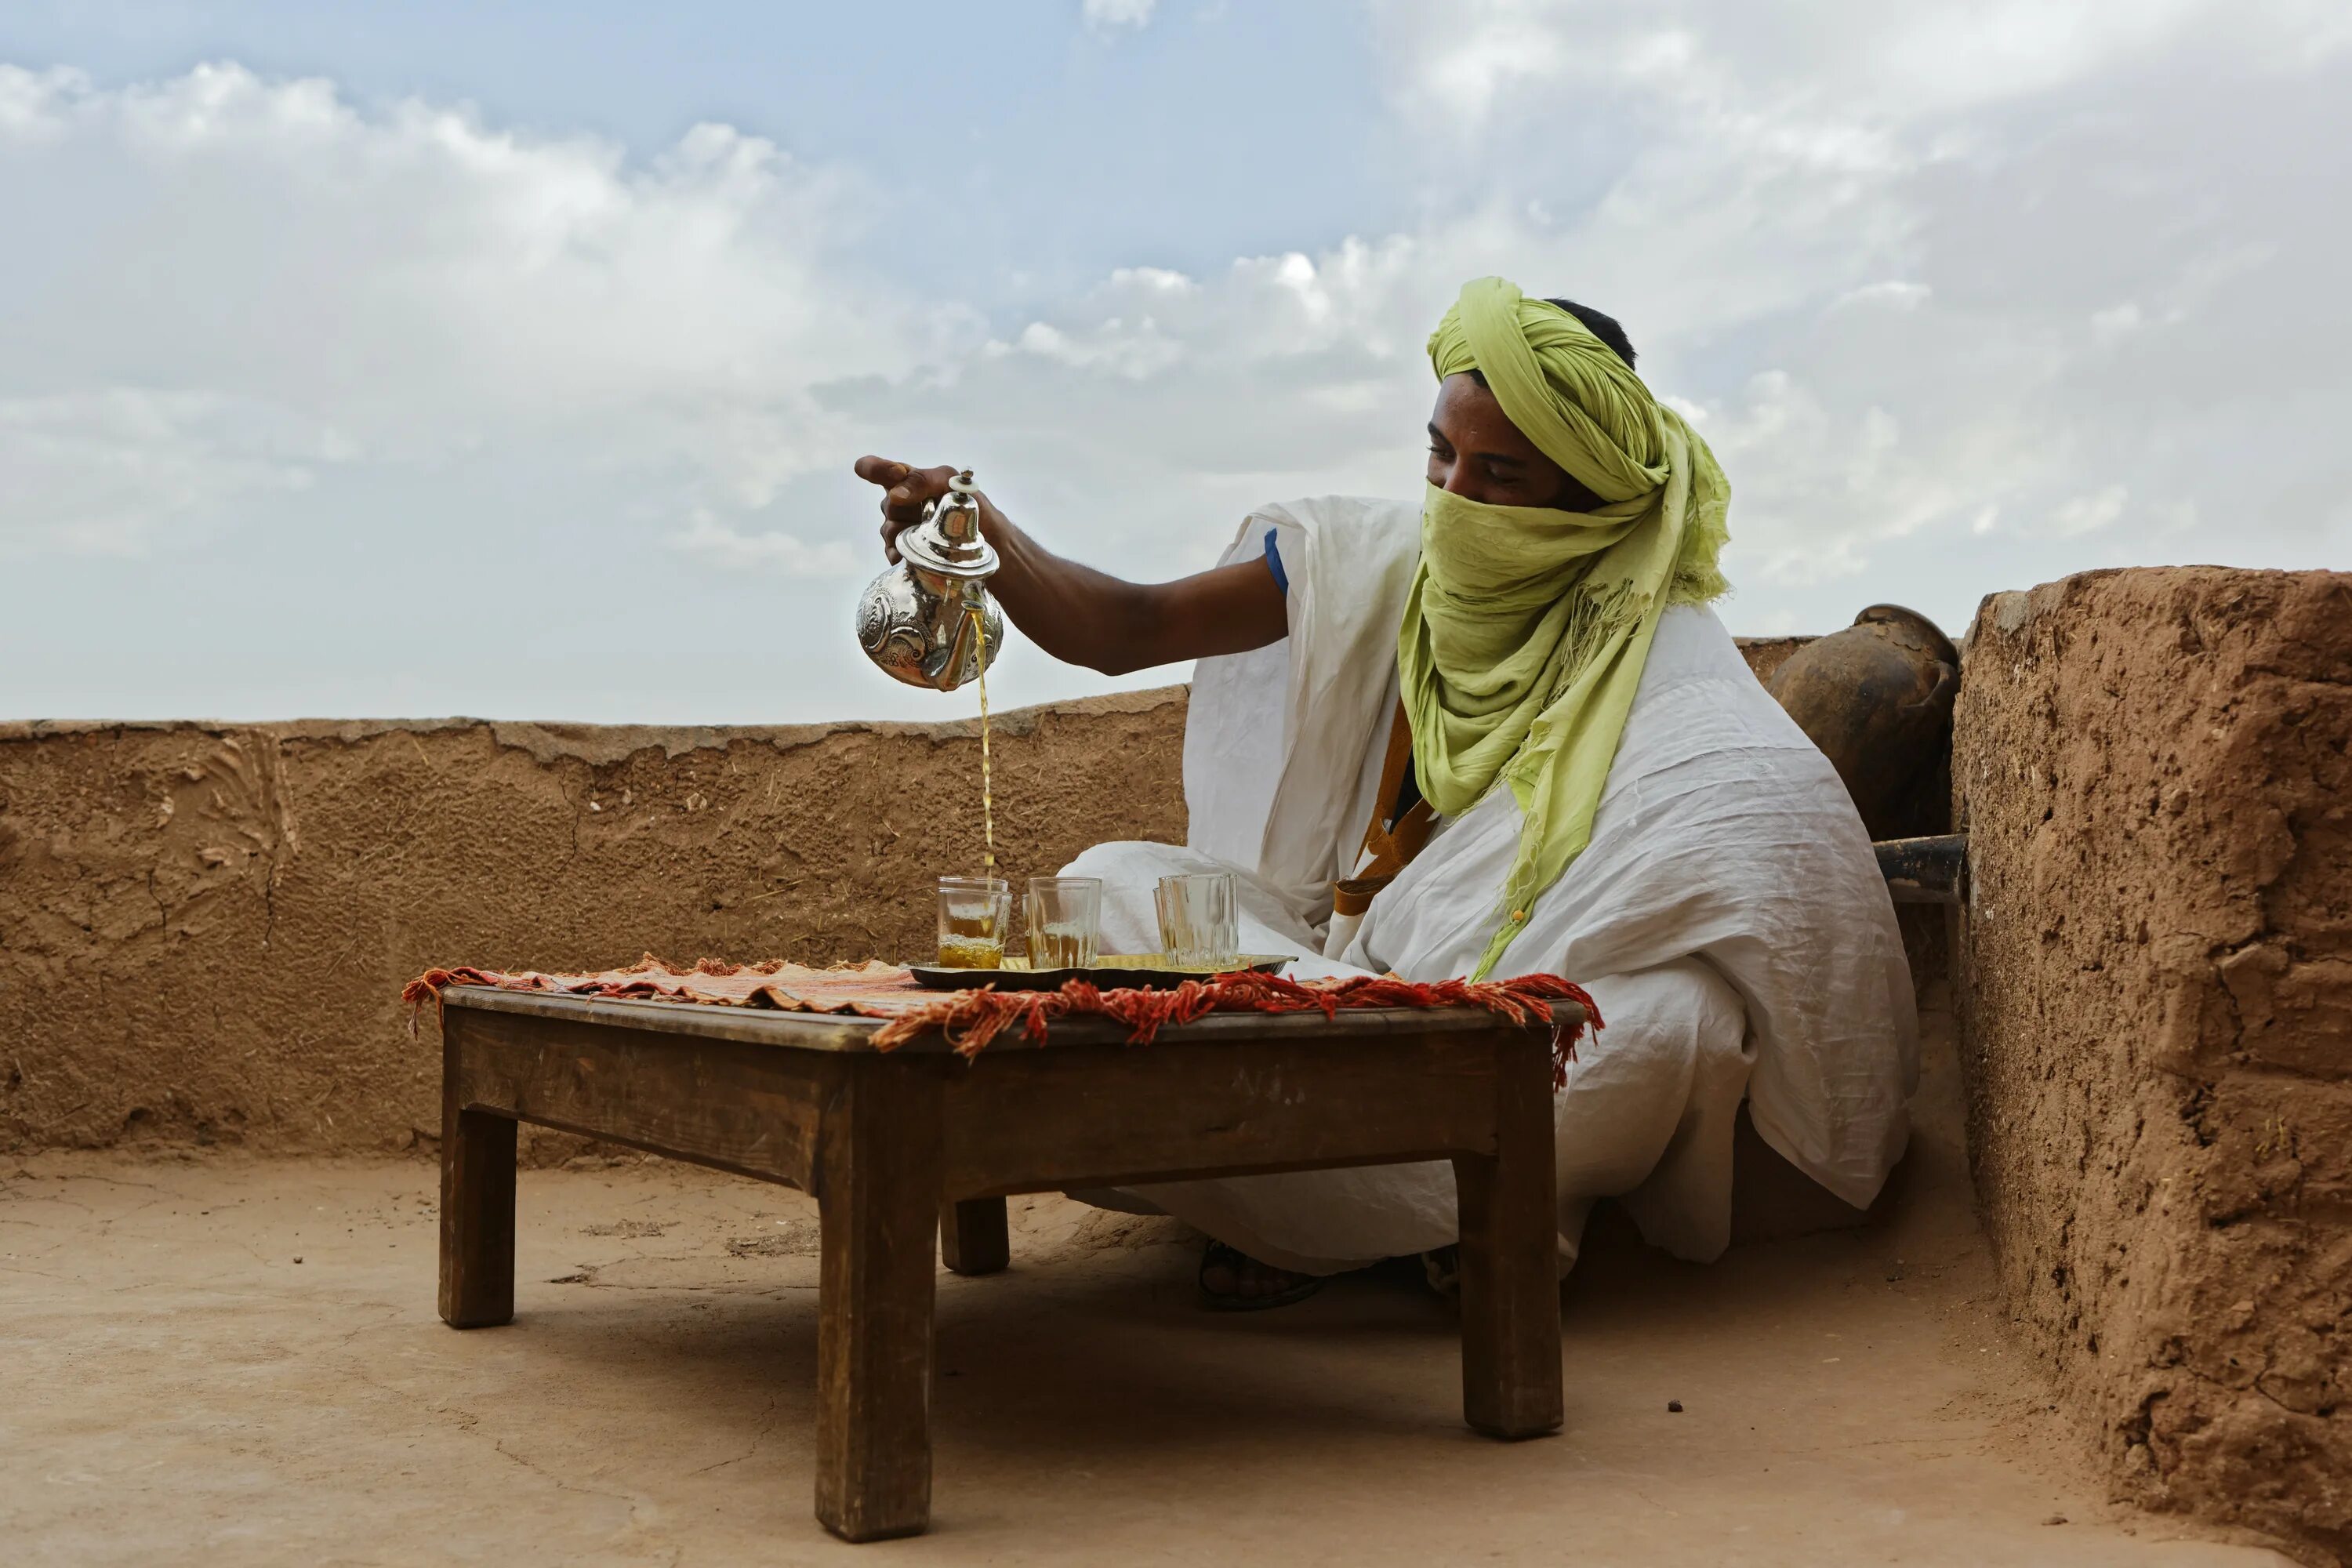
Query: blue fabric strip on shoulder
x: 1274, y: 564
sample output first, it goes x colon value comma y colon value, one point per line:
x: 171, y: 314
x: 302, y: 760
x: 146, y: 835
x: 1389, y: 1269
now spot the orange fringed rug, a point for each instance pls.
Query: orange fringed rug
x: 971, y: 1019
x: 868, y: 990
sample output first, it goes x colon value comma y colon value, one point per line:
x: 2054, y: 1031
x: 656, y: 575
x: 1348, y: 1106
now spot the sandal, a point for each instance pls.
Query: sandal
x: 1442, y: 1266
x: 1218, y: 1255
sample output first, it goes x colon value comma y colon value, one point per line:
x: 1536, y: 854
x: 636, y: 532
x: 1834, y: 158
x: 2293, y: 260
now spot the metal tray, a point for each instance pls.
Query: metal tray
x: 1125, y: 971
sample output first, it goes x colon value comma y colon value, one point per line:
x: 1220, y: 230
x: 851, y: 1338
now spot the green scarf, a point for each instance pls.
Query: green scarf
x: 1527, y: 628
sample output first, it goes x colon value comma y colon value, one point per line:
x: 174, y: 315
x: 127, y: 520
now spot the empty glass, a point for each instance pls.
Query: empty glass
x: 1064, y: 917
x: 975, y: 914
x: 1200, y: 920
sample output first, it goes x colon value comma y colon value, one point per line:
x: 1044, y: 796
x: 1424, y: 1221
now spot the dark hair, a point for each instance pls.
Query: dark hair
x: 1605, y: 328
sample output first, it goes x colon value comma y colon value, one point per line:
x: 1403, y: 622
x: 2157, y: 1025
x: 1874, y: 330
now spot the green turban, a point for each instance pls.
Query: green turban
x: 1527, y: 628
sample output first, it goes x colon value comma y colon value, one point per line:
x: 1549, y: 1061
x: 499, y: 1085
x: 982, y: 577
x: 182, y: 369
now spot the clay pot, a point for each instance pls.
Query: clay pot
x: 1876, y: 698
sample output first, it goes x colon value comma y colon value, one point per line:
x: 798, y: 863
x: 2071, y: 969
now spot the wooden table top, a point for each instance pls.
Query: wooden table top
x: 851, y: 1033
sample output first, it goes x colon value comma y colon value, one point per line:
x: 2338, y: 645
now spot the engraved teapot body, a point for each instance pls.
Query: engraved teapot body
x: 929, y: 620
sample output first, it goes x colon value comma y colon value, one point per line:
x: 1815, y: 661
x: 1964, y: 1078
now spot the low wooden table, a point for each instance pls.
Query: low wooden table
x: 901, y: 1146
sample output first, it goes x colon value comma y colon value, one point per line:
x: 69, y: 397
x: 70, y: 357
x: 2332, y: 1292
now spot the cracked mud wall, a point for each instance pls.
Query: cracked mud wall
x: 2156, y: 997
x: 203, y: 929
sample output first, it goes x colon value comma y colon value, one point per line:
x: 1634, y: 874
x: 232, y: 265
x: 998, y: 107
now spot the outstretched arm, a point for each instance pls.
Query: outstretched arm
x: 1083, y: 616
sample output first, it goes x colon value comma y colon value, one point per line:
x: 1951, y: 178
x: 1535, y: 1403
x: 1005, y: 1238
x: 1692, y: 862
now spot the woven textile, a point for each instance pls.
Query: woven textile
x: 867, y: 990
x: 971, y: 1019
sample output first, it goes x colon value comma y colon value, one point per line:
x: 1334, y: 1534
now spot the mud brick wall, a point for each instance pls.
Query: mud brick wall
x: 2155, y: 989
x: 203, y: 929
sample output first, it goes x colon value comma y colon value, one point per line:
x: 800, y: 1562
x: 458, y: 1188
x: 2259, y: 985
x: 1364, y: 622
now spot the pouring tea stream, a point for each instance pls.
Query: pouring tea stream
x: 929, y: 620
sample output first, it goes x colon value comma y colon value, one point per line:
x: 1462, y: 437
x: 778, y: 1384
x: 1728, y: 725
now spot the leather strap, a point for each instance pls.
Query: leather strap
x: 1391, y: 844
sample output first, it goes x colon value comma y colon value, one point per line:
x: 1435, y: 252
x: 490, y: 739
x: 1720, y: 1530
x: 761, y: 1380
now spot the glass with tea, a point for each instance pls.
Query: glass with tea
x: 975, y: 914
x: 1064, y: 919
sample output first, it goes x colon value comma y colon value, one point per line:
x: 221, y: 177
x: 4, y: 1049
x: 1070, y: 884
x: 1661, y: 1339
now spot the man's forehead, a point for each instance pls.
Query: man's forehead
x: 1474, y: 413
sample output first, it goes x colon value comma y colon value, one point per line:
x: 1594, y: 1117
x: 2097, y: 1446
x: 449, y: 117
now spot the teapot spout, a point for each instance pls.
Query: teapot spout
x: 972, y: 631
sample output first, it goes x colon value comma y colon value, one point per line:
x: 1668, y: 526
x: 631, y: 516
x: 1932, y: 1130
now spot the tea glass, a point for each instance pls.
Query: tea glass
x: 1064, y: 919
x: 975, y: 915
x: 1200, y: 920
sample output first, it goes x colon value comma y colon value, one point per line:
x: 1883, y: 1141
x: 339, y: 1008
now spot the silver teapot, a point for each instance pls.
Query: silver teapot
x: 929, y: 620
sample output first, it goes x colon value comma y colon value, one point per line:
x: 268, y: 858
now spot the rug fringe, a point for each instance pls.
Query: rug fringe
x: 970, y: 1020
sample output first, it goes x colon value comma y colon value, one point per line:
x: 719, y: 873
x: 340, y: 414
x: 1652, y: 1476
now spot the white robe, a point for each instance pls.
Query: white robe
x: 1728, y: 916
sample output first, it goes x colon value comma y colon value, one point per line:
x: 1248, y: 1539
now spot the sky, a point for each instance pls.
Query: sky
x: 509, y: 359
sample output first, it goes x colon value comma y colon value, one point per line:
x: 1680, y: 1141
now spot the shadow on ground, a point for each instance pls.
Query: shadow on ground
x: 222, y: 1359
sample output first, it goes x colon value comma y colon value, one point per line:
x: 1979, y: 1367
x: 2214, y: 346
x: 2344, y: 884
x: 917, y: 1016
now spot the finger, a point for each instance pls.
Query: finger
x: 914, y: 492
x: 881, y: 470
x: 926, y: 484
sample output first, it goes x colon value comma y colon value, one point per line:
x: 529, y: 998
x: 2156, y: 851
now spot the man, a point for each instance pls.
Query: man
x: 1502, y: 732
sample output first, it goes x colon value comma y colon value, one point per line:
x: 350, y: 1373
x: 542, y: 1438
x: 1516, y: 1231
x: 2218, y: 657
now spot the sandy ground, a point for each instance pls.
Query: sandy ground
x: 216, y: 1359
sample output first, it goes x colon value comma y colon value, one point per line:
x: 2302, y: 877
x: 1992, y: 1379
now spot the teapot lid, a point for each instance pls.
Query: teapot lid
x: 948, y: 542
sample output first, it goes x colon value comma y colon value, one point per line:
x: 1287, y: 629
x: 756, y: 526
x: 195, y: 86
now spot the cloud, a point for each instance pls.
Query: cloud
x: 1135, y: 351
x: 713, y: 541
x: 2089, y: 513
x: 246, y: 279
x: 1964, y: 296
x: 98, y: 472
x: 1957, y: 292
x: 1941, y: 272
x: 1928, y: 284
x: 1104, y: 15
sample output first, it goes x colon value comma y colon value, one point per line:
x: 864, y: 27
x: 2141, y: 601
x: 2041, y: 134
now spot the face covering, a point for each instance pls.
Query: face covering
x: 1526, y: 629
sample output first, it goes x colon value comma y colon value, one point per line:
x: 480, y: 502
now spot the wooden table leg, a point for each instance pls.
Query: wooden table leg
x: 877, y: 1184
x: 1510, y: 1271
x: 477, y: 1204
x: 973, y: 1236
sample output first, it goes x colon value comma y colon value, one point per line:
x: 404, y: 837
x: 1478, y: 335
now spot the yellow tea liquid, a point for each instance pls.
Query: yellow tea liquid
x: 972, y: 953
x: 971, y: 942
x: 987, y: 791
x: 976, y: 942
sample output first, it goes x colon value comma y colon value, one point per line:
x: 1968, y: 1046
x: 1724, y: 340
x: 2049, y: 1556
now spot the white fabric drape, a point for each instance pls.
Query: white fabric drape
x: 1728, y: 916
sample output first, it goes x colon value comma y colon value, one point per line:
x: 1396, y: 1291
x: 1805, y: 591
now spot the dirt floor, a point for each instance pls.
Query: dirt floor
x: 213, y: 1358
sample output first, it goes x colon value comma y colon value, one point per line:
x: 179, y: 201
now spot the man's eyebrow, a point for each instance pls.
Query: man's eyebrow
x: 1439, y: 435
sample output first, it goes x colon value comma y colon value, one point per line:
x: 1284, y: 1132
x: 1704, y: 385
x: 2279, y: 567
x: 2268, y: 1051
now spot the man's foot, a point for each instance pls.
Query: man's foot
x: 1233, y: 1281
x: 1442, y: 1266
